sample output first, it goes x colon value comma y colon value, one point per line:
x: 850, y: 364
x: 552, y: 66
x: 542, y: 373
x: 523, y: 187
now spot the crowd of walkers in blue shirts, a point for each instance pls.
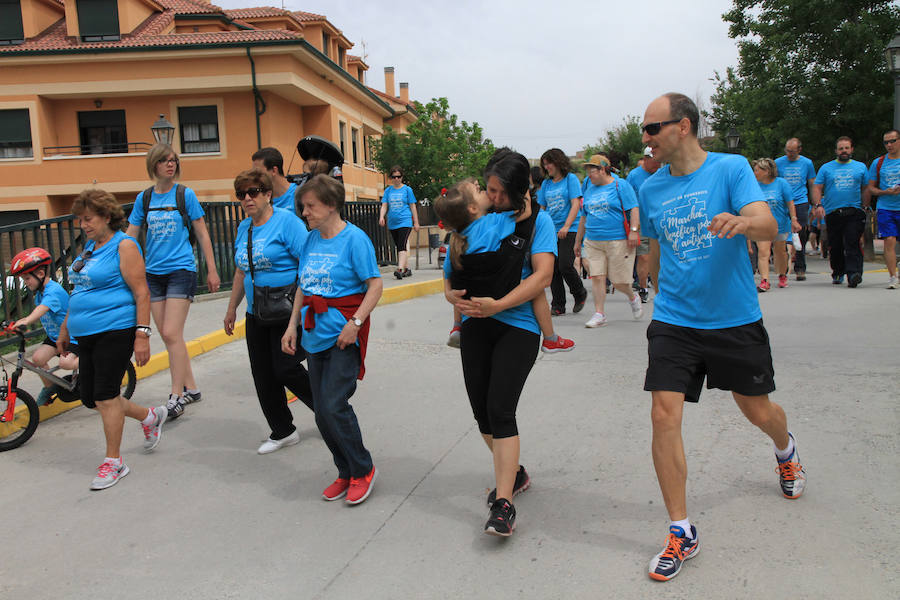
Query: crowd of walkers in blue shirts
x: 685, y: 221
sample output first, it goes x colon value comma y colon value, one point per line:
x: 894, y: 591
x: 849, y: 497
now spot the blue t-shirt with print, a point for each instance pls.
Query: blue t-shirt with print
x: 168, y: 245
x: 778, y: 194
x: 637, y: 177
x: 604, y: 208
x: 557, y: 196
x: 843, y: 184
x: 796, y: 173
x: 277, y: 249
x: 56, y: 299
x: 334, y: 268
x: 101, y: 300
x: 399, y: 210
x: 890, y: 176
x: 486, y: 233
x: 705, y: 282
x: 286, y: 200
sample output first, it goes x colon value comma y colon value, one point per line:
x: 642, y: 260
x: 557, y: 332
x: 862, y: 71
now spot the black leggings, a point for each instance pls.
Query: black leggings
x: 272, y: 371
x: 496, y: 361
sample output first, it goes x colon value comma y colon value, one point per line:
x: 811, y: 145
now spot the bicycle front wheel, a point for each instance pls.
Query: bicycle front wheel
x: 129, y: 381
x: 26, y: 417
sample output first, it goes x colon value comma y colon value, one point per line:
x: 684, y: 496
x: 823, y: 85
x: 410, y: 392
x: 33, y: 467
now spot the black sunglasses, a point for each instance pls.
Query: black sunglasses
x: 654, y: 128
x: 254, y: 192
x: 893, y: 141
x: 78, y: 263
x: 396, y: 176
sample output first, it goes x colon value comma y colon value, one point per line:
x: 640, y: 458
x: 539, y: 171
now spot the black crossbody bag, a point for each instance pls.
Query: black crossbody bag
x: 271, y: 305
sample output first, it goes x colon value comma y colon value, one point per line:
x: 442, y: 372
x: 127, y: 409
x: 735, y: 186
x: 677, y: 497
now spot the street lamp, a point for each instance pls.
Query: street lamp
x: 892, y: 54
x: 163, y: 131
x: 732, y: 139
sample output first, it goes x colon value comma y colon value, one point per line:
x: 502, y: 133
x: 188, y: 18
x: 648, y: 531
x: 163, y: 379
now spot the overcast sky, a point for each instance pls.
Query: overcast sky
x: 536, y: 75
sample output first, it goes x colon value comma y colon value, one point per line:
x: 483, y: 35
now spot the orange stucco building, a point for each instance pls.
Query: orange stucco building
x: 82, y: 81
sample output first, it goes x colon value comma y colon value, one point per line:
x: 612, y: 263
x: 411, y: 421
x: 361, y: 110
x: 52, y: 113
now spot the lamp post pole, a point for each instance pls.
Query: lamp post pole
x: 892, y: 54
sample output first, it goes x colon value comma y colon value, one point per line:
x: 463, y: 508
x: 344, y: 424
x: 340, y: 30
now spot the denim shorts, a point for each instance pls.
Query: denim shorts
x: 177, y: 284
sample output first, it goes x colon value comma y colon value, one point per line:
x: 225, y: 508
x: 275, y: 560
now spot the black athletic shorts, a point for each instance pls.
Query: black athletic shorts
x: 400, y: 235
x: 73, y: 348
x: 736, y: 359
x: 102, y: 363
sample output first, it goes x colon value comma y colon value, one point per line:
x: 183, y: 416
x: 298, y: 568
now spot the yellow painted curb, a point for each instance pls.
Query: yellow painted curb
x: 160, y: 361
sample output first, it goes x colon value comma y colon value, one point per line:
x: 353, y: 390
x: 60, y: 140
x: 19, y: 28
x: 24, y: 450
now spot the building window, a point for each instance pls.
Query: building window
x: 326, y: 42
x: 103, y: 132
x: 14, y: 217
x: 98, y: 20
x: 366, y: 142
x: 15, y: 134
x: 11, y: 31
x: 341, y: 54
x: 359, y: 74
x: 199, y: 129
x: 354, y: 136
x: 342, y: 130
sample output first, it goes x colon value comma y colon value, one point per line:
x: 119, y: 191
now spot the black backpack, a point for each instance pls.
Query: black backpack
x: 180, y: 206
x: 495, y: 274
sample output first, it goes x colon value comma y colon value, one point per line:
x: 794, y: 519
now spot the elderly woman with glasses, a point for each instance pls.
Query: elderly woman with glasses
x: 267, y: 253
x: 398, y: 204
x: 109, y: 314
x: 170, y: 211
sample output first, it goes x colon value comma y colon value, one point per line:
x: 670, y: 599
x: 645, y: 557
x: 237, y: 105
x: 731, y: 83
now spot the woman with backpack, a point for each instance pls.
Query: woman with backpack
x: 172, y: 213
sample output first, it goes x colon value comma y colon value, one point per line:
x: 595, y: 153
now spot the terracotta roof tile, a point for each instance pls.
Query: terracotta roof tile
x: 55, y: 38
x: 307, y: 16
x: 190, y: 7
x: 257, y: 12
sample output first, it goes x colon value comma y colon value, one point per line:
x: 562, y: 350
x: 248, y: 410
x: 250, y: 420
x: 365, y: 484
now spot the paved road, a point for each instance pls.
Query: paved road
x: 206, y: 517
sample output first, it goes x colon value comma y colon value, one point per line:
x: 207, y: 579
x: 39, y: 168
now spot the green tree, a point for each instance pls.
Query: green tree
x: 812, y: 69
x: 622, y: 143
x: 437, y: 151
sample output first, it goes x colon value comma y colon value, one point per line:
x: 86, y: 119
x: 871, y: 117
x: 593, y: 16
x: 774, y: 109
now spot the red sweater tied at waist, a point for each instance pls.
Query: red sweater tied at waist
x: 348, y: 306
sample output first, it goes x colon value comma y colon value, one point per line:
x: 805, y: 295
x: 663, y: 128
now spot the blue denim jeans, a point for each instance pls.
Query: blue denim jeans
x: 332, y: 375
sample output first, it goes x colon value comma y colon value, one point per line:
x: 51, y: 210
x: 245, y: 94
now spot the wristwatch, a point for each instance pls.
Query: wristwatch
x: 356, y: 321
x: 144, y: 329
x: 634, y: 229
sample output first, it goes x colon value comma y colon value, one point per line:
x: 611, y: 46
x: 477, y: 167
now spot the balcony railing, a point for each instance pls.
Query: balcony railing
x: 63, y: 239
x: 97, y: 149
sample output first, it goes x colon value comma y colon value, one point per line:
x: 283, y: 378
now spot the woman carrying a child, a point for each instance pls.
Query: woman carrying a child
x: 500, y: 334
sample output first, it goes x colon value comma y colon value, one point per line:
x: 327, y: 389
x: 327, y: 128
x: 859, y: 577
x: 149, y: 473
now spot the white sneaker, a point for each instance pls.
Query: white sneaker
x: 637, y: 311
x: 894, y: 283
x: 153, y: 432
x: 109, y: 475
x: 271, y: 445
x: 598, y: 320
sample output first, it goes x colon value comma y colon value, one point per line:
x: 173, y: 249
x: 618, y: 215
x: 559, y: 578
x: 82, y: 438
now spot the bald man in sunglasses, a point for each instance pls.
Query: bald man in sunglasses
x: 699, y: 210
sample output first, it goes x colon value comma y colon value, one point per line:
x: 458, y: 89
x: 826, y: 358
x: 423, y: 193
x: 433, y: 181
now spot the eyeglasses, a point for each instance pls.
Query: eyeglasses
x: 254, y: 192
x: 166, y: 161
x: 396, y: 176
x: 893, y: 141
x: 78, y: 263
x: 654, y: 128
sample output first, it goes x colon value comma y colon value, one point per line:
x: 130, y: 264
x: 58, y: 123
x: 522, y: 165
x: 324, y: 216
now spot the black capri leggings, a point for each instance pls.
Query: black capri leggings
x: 496, y: 361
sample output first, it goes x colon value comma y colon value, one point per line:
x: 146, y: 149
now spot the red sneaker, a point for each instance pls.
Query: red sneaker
x: 763, y: 286
x: 560, y: 345
x: 336, y: 490
x: 361, y: 487
x: 782, y: 281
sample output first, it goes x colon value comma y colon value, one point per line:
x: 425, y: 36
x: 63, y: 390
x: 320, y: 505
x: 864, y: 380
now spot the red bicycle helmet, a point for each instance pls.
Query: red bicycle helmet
x: 29, y: 260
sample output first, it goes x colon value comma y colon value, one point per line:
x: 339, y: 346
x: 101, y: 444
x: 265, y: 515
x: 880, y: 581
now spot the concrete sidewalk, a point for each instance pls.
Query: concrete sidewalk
x: 206, y: 517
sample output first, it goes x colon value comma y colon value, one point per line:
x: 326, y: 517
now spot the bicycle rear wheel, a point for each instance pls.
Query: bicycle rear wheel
x: 24, y: 423
x: 129, y: 381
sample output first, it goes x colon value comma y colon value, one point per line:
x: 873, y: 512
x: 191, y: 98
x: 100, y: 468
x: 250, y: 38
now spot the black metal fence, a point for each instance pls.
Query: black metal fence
x: 63, y: 239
